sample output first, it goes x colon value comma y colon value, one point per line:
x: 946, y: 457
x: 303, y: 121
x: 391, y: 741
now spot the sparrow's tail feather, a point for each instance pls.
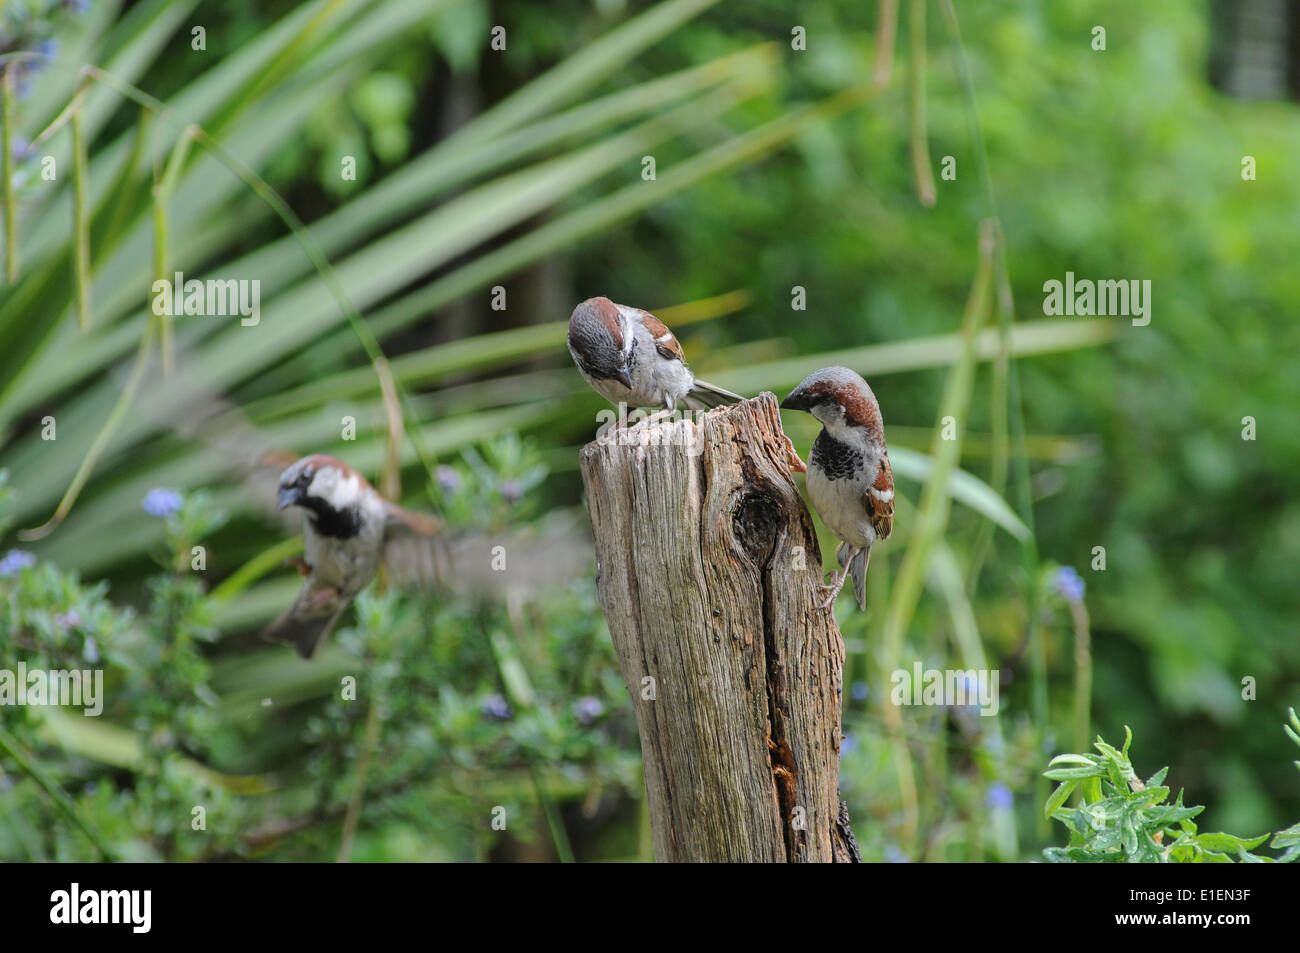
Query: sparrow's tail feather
x: 857, y: 563
x: 706, y: 396
x: 304, y: 634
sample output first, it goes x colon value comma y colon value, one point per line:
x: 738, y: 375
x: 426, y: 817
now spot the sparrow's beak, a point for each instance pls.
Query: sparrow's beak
x: 289, y: 495
x: 796, y: 401
x: 622, y: 377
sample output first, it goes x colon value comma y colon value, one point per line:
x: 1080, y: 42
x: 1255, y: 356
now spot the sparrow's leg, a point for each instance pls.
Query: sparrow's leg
x: 792, y: 457
x: 834, y: 588
x: 297, y: 562
x: 837, y: 581
x: 670, y: 405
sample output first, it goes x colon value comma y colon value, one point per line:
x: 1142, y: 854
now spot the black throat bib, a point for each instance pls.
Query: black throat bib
x: 328, y: 521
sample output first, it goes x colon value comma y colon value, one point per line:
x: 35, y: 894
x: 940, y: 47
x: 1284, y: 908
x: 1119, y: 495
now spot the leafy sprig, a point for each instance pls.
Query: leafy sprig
x: 1121, y: 818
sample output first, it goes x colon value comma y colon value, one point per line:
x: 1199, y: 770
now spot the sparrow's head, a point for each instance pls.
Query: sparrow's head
x: 319, y: 482
x: 599, y: 338
x: 838, y: 397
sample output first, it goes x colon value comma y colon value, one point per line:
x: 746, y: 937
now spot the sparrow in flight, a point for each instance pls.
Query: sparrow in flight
x: 346, y: 530
x: 850, y: 483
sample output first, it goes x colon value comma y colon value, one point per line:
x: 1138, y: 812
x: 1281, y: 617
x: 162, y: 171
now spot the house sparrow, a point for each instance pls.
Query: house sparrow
x: 629, y: 356
x: 345, y: 532
x: 850, y: 483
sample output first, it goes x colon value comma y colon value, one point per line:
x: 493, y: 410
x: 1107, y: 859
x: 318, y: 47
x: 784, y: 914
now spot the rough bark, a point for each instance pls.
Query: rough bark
x: 708, y: 572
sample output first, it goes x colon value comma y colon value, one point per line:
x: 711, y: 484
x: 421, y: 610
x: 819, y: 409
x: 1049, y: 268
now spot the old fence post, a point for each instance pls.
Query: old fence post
x: 708, y: 565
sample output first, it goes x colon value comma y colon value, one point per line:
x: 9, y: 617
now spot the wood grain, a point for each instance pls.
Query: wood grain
x: 708, y: 568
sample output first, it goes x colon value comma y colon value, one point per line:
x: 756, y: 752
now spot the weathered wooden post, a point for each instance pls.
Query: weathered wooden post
x: 708, y: 566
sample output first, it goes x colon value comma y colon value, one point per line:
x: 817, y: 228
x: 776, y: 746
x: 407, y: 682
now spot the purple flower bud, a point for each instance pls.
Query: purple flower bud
x: 91, y: 650
x: 496, y: 707
x: 66, y: 620
x: 162, y: 502
x: 511, y: 491
x: 448, y: 480
x: 15, y: 561
x: 1068, y: 584
x: 999, y: 797
x: 587, y: 709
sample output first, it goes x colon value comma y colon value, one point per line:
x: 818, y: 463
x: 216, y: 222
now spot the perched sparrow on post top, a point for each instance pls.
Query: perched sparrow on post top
x: 850, y: 483
x: 346, y: 527
x: 629, y: 356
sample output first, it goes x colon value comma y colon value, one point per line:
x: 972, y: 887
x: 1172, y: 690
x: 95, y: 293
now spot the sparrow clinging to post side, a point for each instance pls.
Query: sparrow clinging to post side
x: 850, y: 483
x: 629, y: 356
x: 346, y: 528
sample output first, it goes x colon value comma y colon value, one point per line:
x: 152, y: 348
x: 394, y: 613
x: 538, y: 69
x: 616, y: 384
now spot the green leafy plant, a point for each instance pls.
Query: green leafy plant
x: 455, y: 701
x: 1121, y: 818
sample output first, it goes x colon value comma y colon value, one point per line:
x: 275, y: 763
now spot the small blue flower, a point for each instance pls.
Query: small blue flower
x: 20, y: 148
x: 860, y: 691
x: 1068, y: 584
x: 16, y: 560
x: 162, y: 502
x: 448, y: 480
x: 894, y: 855
x: 848, y: 744
x: 587, y: 709
x: 999, y: 797
x: 496, y: 707
x: 47, y: 49
x: 91, y: 650
x: 76, y: 6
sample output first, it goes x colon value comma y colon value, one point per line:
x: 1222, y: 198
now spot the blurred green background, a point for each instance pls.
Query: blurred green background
x: 784, y: 158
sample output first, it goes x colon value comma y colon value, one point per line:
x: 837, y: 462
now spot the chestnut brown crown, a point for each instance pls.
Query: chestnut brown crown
x: 844, y: 388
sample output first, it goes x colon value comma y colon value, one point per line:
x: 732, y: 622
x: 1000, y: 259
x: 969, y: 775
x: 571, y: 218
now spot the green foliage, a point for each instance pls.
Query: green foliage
x: 1120, y: 818
x: 776, y: 169
x: 478, y: 710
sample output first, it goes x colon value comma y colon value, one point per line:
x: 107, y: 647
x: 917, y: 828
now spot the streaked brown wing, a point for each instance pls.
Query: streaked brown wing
x: 665, y: 342
x: 880, y: 500
x: 402, y: 521
x: 414, y: 553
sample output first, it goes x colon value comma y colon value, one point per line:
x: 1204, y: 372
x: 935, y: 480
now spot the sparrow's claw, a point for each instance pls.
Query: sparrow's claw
x: 837, y: 583
x: 297, y: 562
x: 792, y: 457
